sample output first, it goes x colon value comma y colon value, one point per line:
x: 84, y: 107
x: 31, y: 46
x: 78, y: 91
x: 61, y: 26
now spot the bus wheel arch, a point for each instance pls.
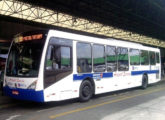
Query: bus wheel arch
x: 87, y: 88
x: 144, y: 81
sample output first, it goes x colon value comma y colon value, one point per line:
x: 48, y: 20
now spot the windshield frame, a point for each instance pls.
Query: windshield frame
x: 41, y: 43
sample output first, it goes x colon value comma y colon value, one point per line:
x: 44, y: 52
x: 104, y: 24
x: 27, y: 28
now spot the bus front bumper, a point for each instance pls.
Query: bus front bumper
x: 24, y: 94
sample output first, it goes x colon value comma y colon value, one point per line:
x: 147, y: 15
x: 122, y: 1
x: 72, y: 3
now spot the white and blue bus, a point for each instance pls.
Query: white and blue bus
x: 53, y: 65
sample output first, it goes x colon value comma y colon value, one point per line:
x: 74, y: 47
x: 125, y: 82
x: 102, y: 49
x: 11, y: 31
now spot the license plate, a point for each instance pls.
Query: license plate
x: 14, y: 92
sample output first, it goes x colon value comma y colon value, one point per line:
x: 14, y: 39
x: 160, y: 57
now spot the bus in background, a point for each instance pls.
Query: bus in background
x: 54, y: 65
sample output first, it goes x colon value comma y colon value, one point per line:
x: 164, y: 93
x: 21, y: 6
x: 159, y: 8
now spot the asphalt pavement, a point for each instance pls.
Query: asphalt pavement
x: 133, y: 104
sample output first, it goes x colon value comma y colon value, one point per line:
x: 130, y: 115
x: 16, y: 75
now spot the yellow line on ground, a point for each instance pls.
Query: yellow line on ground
x: 101, y: 104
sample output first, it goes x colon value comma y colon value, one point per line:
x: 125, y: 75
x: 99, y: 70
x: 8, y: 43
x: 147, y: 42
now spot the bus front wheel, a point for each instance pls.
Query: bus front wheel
x: 144, y: 82
x: 85, y: 91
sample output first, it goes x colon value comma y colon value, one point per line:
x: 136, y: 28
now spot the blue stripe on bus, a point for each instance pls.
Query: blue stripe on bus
x: 108, y: 75
x: 25, y: 94
x: 144, y: 71
x: 83, y: 76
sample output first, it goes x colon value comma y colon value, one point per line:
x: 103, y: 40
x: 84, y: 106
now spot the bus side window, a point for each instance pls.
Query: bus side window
x: 99, y: 58
x: 58, y: 57
x: 122, y: 57
x: 111, y: 58
x: 152, y: 58
x: 134, y: 57
x: 157, y: 58
x: 144, y: 57
x: 84, y: 58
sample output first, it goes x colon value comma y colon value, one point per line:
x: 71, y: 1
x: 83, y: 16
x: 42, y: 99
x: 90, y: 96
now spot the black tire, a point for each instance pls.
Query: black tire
x: 86, y: 91
x: 144, y: 82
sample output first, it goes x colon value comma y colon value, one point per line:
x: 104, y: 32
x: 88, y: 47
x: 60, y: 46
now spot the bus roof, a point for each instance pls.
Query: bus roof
x: 89, y: 39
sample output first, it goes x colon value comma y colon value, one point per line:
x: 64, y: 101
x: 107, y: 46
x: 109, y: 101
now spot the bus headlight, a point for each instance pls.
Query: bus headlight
x: 32, y: 86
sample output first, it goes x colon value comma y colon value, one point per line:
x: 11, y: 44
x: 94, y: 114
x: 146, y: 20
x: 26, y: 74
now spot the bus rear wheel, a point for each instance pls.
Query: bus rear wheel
x: 144, y: 82
x: 86, y: 91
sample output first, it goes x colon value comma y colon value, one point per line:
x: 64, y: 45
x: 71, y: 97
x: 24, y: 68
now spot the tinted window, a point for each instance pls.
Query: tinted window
x: 49, y: 58
x: 157, y: 58
x: 134, y: 57
x: 84, y: 58
x: 111, y: 58
x: 58, y: 63
x: 152, y: 58
x: 98, y: 58
x: 24, y: 58
x: 59, y: 57
x: 144, y: 58
x: 122, y: 57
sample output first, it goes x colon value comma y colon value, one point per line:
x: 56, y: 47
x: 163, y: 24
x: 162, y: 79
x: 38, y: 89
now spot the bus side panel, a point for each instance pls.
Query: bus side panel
x: 62, y: 90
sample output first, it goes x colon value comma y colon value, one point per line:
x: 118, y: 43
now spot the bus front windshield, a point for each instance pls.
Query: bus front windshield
x: 24, y: 58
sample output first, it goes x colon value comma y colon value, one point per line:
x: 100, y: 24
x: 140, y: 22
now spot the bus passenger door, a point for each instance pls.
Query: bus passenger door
x: 122, y: 75
x: 58, y: 63
x: 153, y: 68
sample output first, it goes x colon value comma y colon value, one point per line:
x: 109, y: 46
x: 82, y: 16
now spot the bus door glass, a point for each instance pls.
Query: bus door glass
x: 58, y: 63
x: 152, y: 60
